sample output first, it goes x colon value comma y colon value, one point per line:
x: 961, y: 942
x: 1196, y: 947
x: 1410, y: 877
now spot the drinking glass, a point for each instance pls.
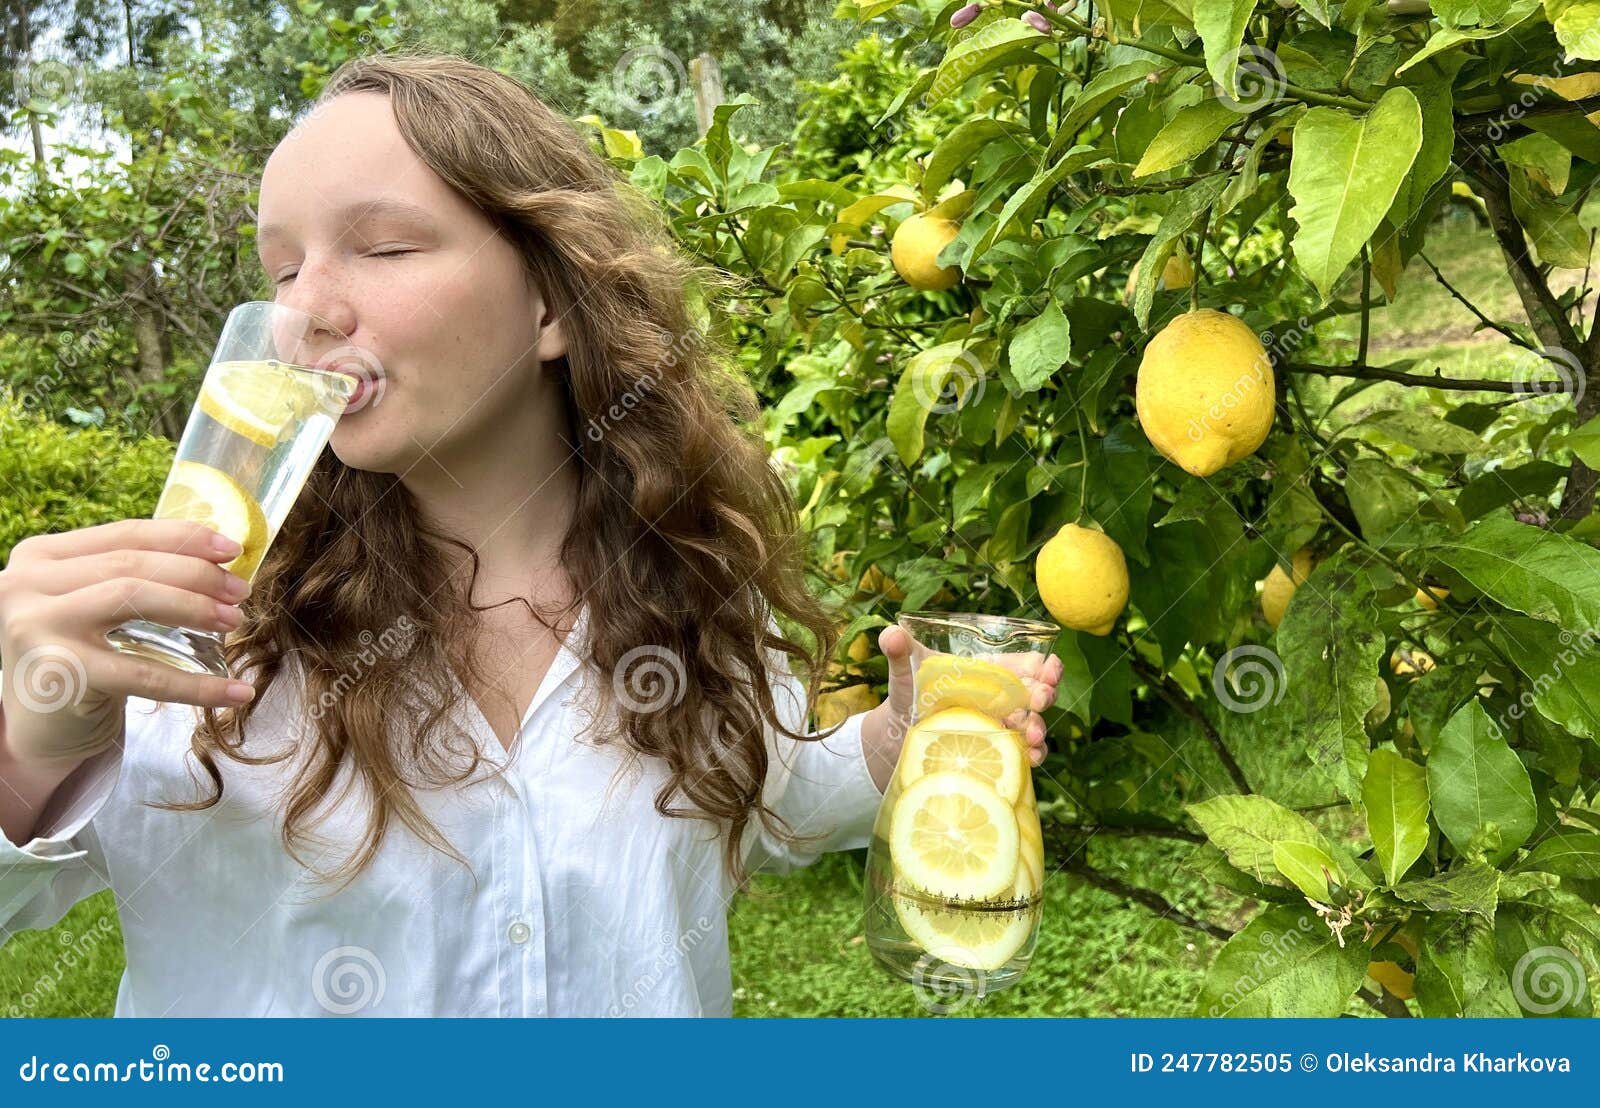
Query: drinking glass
x: 955, y: 870
x: 266, y: 408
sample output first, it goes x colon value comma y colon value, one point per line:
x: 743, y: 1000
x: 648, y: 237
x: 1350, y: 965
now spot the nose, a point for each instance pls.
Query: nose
x: 322, y: 292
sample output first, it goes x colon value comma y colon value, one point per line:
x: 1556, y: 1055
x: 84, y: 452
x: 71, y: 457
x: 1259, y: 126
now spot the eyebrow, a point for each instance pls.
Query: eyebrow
x: 355, y: 213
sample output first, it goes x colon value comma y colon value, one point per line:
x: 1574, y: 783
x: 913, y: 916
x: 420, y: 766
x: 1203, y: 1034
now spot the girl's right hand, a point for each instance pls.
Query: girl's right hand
x: 65, y: 687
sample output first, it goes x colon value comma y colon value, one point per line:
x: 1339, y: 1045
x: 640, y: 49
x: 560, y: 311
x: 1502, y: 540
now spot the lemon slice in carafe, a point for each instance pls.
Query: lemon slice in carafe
x: 950, y: 742
x: 263, y: 401
x: 952, y: 836
x: 205, y: 494
x: 948, y: 681
x: 978, y: 940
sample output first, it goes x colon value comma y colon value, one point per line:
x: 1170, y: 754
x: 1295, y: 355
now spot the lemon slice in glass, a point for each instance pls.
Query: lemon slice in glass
x: 991, y: 755
x: 968, y: 938
x: 205, y: 494
x: 954, y: 837
x: 949, y: 681
x: 1031, y: 846
x: 263, y: 401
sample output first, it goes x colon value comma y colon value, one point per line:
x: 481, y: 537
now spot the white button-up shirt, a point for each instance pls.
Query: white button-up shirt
x: 583, y: 900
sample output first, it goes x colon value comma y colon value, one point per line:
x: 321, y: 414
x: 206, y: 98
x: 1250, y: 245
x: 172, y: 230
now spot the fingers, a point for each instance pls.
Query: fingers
x: 158, y: 567
x: 102, y: 606
x: 175, y: 536
x: 124, y: 675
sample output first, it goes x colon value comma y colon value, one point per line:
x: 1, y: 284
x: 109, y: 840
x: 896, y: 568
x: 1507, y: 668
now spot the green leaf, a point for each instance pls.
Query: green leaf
x: 1433, y: 158
x: 1285, y: 962
x: 1423, y: 431
x: 1192, y: 131
x: 1185, y: 211
x: 957, y: 148
x: 1575, y: 27
x: 1139, y: 15
x: 1473, y: 887
x: 1528, y: 569
x: 1344, y: 174
x: 1100, y: 91
x: 922, y: 390
x: 1475, y: 779
x: 1040, y: 347
x: 1563, y: 672
x: 1585, y: 443
x: 1221, y: 25
x: 995, y: 44
x: 1395, y: 796
x: 1330, y: 645
x: 1545, y: 160
x: 1458, y: 973
x: 1307, y: 866
x: 1247, y: 828
x: 1567, y: 853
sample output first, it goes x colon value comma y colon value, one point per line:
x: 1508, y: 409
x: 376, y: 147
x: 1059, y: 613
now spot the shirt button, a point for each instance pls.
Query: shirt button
x: 518, y: 932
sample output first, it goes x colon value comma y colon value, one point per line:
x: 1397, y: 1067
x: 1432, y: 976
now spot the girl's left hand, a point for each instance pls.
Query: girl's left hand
x: 897, y: 710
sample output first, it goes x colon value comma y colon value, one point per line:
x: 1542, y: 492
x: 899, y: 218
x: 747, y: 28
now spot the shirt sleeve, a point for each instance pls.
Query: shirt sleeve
x: 43, y: 878
x: 819, y: 786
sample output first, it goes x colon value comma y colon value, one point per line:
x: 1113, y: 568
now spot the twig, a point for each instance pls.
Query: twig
x: 1503, y: 328
x: 1149, y: 898
x: 1157, y: 831
x: 1437, y: 381
x: 1170, y: 691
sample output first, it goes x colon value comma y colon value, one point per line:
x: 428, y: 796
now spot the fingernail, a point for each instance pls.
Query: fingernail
x: 236, y: 587
x: 241, y: 692
x: 224, y: 545
x: 229, y: 614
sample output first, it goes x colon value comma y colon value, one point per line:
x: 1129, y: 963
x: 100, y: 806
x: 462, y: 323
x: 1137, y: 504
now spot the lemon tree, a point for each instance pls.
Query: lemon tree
x: 1096, y: 317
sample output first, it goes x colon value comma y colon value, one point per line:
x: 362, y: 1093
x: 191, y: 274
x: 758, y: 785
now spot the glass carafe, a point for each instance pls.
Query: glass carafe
x: 955, y: 871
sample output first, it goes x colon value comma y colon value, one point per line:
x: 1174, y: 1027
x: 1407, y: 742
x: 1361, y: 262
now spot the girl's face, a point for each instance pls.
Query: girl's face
x: 355, y: 228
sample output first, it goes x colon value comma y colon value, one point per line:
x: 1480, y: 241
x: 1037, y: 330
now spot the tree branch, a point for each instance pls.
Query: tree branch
x: 1503, y: 328
x: 1182, y: 834
x: 1170, y: 691
x: 1510, y: 115
x: 1436, y: 381
x: 1148, y: 898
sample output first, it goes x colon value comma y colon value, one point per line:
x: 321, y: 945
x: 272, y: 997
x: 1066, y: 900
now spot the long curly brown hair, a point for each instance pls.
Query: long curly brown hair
x: 685, y: 538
